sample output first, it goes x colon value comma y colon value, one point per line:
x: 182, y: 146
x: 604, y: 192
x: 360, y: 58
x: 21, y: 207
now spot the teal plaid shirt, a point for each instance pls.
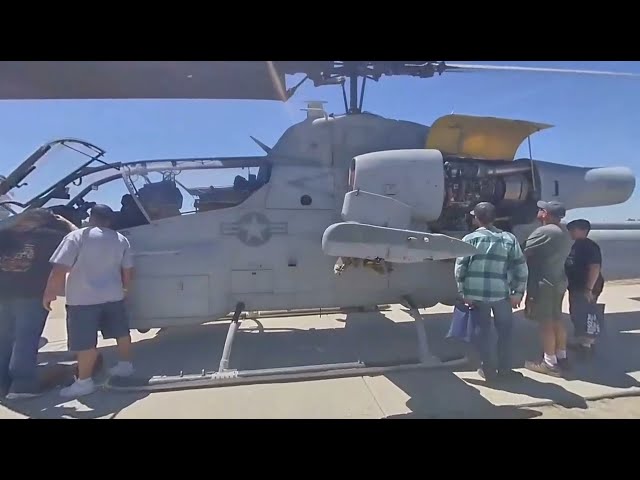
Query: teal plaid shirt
x: 497, y: 272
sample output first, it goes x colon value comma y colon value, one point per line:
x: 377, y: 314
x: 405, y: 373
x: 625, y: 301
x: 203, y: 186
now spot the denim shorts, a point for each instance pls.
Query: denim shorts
x: 84, y: 321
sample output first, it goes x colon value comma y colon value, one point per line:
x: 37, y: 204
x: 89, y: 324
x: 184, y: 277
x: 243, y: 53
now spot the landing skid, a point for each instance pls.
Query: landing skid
x: 227, y: 377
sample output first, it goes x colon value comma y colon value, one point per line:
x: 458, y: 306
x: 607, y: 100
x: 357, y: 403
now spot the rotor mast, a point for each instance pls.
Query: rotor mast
x: 352, y: 72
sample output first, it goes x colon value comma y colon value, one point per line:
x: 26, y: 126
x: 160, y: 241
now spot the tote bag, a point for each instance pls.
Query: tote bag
x: 462, y: 323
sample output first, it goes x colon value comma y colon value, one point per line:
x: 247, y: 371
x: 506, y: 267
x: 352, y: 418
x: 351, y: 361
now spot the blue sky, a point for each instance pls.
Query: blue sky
x: 597, y: 120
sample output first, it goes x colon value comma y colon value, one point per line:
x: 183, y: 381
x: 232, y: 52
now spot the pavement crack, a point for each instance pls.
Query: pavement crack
x: 373, y: 395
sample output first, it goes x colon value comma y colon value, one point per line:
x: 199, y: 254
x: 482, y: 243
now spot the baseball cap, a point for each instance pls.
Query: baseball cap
x: 580, y: 224
x: 484, y: 211
x: 553, y: 208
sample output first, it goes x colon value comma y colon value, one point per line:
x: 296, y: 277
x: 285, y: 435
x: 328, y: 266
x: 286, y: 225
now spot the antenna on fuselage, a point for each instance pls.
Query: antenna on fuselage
x: 262, y: 145
x: 315, y: 109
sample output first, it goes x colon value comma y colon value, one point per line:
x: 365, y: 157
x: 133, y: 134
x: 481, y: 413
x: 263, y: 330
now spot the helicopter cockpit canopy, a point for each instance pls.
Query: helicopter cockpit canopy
x: 167, y: 189
x: 140, y: 192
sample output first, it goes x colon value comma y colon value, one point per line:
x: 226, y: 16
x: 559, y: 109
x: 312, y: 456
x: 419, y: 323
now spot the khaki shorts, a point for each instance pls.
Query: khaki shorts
x: 546, y: 304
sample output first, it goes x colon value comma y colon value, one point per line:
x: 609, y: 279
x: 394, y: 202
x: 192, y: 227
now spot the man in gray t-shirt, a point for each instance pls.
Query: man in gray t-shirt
x: 99, y: 263
x: 546, y: 250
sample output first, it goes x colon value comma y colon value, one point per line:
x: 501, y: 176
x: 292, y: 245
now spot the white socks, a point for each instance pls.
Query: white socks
x: 552, y: 360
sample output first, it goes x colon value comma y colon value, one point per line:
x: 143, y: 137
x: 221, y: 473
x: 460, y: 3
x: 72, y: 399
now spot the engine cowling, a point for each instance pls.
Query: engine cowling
x: 413, y: 177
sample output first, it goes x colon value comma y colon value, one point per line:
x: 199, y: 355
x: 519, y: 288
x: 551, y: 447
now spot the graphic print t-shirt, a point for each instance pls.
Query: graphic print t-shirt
x: 584, y: 252
x: 24, y: 263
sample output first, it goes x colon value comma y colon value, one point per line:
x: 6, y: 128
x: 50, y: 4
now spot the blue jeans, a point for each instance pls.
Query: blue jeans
x: 503, y: 320
x: 22, y: 322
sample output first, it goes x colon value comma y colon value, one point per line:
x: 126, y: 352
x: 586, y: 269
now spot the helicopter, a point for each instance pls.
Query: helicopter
x: 344, y: 211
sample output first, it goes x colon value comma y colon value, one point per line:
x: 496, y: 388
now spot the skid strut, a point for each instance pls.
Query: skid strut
x: 226, y: 376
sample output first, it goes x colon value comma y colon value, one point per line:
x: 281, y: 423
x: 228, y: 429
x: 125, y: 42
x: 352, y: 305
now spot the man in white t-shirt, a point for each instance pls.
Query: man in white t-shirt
x: 99, y: 263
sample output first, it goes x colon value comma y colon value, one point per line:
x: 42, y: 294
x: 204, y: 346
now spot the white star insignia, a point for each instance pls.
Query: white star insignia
x: 255, y: 230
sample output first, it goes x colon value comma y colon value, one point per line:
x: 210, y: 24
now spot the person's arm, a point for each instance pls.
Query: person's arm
x: 63, y: 260
x: 127, y: 266
x: 594, y: 266
x: 66, y: 223
x: 519, y: 273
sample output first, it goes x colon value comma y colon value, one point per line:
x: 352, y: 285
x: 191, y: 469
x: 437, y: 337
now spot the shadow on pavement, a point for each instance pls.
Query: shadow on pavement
x: 51, y: 405
x: 367, y: 337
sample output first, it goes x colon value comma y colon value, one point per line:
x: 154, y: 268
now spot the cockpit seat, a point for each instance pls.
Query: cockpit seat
x: 161, y: 200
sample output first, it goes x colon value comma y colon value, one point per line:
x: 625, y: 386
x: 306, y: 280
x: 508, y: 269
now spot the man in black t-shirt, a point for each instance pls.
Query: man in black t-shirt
x: 25, y: 250
x: 583, y: 268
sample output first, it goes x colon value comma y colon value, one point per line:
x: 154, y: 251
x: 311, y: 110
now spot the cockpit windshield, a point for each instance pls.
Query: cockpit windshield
x: 39, y: 179
x: 139, y: 192
x: 157, y: 192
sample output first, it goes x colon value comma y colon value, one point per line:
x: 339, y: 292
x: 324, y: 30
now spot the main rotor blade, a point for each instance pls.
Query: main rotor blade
x: 224, y: 80
x: 513, y: 68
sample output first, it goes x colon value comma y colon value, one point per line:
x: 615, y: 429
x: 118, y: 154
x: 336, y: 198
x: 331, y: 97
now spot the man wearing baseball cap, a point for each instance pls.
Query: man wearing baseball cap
x: 493, y: 280
x: 546, y: 250
x: 584, y: 273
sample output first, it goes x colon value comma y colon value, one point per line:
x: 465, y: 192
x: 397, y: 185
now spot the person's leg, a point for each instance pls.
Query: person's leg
x: 503, y: 320
x: 30, y: 317
x: 115, y: 324
x: 593, y: 340
x: 7, y: 335
x: 579, y: 309
x: 541, y: 311
x: 82, y: 335
x: 559, y: 330
x: 482, y: 339
x: 573, y: 314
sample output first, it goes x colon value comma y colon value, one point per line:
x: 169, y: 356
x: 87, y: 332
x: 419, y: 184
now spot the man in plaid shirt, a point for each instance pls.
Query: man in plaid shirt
x: 493, y: 280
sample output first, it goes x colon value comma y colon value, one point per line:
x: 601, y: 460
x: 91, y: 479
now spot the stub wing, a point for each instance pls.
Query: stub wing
x: 357, y: 240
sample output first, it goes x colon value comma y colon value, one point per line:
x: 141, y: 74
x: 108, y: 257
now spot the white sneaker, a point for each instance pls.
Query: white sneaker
x: 79, y: 388
x: 122, y: 369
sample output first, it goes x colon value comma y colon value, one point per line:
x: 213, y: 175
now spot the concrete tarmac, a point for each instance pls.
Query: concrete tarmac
x: 387, y: 335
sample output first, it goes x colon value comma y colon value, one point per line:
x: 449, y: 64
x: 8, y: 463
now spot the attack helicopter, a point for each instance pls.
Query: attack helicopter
x: 343, y: 211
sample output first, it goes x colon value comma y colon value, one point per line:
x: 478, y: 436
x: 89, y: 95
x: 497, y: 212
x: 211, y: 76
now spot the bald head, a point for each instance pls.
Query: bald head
x: 101, y: 216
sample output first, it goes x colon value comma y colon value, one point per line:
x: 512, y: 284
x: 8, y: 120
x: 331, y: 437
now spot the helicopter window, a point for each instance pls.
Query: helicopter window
x: 111, y: 191
x: 150, y: 190
x: 172, y: 193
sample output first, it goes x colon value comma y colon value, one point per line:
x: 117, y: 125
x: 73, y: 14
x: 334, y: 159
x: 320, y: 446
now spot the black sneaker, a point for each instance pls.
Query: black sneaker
x: 563, y: 364
x: 487, y: 375
x: 582, y: 351
x: 544, y: 368
x: 509, y: 374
